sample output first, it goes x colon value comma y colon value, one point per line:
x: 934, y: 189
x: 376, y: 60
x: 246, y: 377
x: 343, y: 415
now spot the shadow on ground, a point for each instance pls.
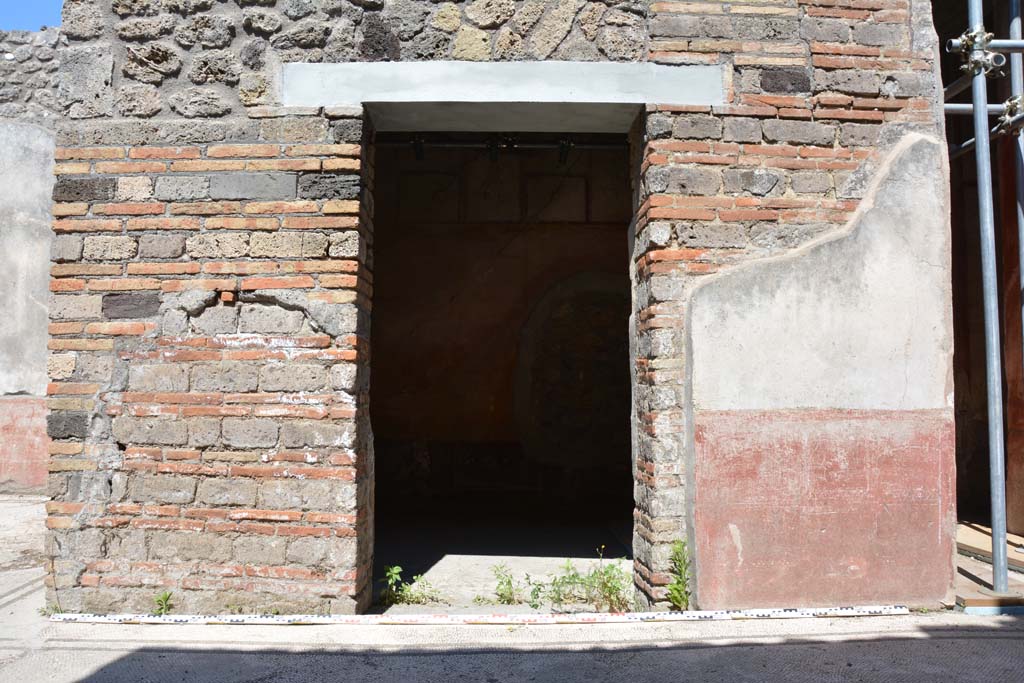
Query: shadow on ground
x: 944, y: 654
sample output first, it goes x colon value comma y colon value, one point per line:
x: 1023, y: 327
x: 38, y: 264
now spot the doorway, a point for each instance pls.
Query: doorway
x: 500, y: 395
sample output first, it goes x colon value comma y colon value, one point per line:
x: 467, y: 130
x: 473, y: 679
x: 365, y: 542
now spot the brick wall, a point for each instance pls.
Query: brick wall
x: 820, y: 91
x: 208, y: 329
x: 213, y: 264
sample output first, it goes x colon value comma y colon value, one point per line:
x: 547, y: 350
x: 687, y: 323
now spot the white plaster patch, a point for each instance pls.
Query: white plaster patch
x: 26, y: 188
x: 737, y: 542
x: 859, y: 320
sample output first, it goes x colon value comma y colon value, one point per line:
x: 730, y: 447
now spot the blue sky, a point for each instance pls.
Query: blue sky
x: 28, y: 15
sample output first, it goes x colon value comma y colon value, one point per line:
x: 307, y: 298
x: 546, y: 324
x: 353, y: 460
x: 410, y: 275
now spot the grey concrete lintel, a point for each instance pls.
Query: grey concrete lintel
x: 512, y: 96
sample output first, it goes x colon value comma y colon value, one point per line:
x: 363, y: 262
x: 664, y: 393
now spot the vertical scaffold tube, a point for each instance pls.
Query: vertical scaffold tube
x: 999, y: 562
x: 990, y: 287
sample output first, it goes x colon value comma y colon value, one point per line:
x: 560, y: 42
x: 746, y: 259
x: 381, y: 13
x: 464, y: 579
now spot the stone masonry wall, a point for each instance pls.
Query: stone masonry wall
x: 208, y: 315
x: 28, y: 69
x: 213, y: 270
x: 201, y: 58
x: 820, y: 90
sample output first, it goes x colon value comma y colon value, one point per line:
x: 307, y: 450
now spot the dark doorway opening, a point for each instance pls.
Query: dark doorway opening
x: 500, y: 388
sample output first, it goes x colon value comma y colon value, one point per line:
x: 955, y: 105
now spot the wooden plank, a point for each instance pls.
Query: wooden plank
x: 972, y: 585
x: 979, y: 600
x: 974, y: 539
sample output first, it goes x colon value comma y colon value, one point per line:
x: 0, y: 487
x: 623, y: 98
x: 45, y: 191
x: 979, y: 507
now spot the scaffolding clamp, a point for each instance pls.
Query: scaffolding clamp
x: 973, y: 46
x: 1012, y: 110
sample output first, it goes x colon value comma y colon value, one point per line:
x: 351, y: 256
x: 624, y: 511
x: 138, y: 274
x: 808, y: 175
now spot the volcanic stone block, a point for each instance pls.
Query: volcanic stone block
x: 134, y: 189
x: 759, y: 182
x: 149, y: 430
x: 66, y: 248
x: 75, y: 306
x: 203, y: 431
x: 161, y: 246
x: 60, y: 365
x: 218, y: 245
x: 140, y: 100
x: 67, y: 425
x: 328, y: 552
x: 343, y: 376
x: 741, y: 130
x: 131, y: 305
x: 269, y: 319
x: 249, y: 433
x: 163, y: 377
x: 289, y: 244
x: 811, y: 182
x: 711, y: 235
x: 217, y: 320
x: 345, y: 245
x: 163, y: 488
x: 225, y: 491
x: 328, y: 186
x: 317, y: 434
x: 120, y: 248
x: 688, y: 180
x: 881, y: 35
x: 220, y: 66
x: 176, y: 546
x: 228, y: 376
x: 858, y: 134
x: 293, y: 377
x: 82, y: 19
x: 697, y: 126
x: 84, y: 81
x: 182, y: 188
x: 263, y: 550
x: 799, y: 132
x: 253, y: 186
x: 151, y: 62
x: 825, y: 30
x: 785, y: 80
x: 849, y: 81
x: 84, y: 189
x: 208, y: 31
x: 296, y: 494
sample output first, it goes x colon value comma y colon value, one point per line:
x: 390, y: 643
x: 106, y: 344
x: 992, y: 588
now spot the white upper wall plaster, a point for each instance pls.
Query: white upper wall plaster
x: 862, y: 321
x: 26, y: 186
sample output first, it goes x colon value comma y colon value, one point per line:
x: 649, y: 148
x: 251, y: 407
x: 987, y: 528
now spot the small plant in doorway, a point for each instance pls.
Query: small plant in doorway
x: 679, y: 586
x: 609, y: 585
x: 163, y: 604
x: 508, y: 591
x: 398, y: 592
x: 392, y: 582
x: 606, y: 587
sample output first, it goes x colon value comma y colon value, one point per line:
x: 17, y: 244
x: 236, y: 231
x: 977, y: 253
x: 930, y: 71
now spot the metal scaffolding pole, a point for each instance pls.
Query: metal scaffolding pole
x: 968, y: 109
x: 999, y: 561
x: 957, y: 87
x: 1009, y: 46
x: 979, y: 62
x: 1004, y: 127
